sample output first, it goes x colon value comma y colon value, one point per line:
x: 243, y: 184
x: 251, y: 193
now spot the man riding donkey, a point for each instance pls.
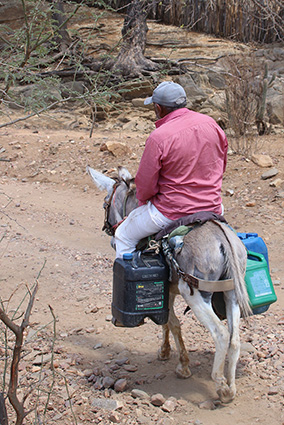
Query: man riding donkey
x: 180, y: 172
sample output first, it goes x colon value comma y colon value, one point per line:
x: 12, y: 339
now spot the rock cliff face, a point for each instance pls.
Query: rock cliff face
x: 206, y: 60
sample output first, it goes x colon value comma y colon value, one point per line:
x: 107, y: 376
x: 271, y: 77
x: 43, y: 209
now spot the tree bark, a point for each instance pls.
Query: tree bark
x: 131, y: 60
x: 62, y: 38
x: 3, y: 411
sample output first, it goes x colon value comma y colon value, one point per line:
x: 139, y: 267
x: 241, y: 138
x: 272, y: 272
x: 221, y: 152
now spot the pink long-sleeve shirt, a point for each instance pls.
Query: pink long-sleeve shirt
x: 182, y: 166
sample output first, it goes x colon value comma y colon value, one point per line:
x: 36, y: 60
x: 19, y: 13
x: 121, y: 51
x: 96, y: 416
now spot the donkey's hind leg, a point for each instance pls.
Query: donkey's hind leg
x: 233, y: 318
x: 173, y: 325
x: 202, y: 308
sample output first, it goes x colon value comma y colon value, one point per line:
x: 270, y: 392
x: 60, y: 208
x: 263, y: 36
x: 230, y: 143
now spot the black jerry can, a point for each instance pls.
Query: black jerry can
x: 140, y: 289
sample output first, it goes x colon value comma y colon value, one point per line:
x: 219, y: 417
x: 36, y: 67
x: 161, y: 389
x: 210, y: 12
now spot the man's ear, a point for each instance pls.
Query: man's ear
x: 158, y: 110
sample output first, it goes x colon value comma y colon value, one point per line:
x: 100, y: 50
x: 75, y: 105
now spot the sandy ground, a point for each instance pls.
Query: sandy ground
x: 51, y: 217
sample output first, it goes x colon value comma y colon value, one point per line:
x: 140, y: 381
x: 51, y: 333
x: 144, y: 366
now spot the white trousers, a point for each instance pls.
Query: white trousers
x: 141, y: 222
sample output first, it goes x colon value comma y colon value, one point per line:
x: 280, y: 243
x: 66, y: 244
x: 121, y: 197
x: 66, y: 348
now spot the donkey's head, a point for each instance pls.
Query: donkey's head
x: 121, y: 196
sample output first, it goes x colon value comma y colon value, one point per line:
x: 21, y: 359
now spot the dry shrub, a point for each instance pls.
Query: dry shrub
x: 247, y: 83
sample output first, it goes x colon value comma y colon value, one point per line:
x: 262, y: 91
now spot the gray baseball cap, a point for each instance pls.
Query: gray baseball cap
x: 168, y: 94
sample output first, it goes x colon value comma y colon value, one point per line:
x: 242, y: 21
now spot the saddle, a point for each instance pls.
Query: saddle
x: 190, y: 220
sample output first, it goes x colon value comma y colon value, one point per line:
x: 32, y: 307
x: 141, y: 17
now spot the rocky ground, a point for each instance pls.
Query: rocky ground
x: 51, y: 217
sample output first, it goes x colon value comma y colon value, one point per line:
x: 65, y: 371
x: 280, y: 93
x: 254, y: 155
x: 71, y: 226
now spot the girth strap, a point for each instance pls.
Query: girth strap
x: 206, y: 285
x: 193, y: 281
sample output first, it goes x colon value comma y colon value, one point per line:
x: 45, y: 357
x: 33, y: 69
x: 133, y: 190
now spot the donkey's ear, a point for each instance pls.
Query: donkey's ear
x: 124, y: 174
x: 101, y: 181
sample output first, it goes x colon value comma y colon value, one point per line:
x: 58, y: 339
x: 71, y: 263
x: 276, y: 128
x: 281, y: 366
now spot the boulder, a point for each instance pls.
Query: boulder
x: 195, y: 95
x: 217, y: 79
x: 262, y: 160
x: 118, y: 149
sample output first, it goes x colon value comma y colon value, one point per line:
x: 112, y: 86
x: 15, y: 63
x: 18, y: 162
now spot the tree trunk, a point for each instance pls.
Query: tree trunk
x: 131, y: 60
x: 3, y: 411
x: 61, y: 38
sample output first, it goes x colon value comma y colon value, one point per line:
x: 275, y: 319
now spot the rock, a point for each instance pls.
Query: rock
x: 216, y: 79
x: 195, y: 95
x: 272, y: 391
x: 114, y: 417
x: 142, y: 395
x: 158, y: 400
x: 130, y: 368
x: 133, y: 89
x: 118, y: 347
x: 207, y: 405
x: 247, y: 347
x: 270, y: 173
x: 229, y: 192
x: 106, y: 404
x: 262, y: 160
x: 139, y: 103
x: 122, y: 361
x: 118, y: 149
x: 40, y: 360
x: 97, y: 346
x: 251, y: 204
x: 108, y: 382
x: 120, y: 385
x: 276, y: 183
x: 169, y: 405
x: 88, y: 372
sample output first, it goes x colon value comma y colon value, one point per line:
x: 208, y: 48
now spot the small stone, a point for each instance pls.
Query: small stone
x: 88, y: 372
x: 169, y: 405
x: 247, y: 347
x: 106, y: 404
x: 108, y: 382
x: 121, y: 361
x: 40, y: 360
x: 130, y: 368
x: 270, y: 173
x: 120, y: 385
x: 229, y: 192
x: 158, y: 400
x: 207, y: 405
x: 272, y: 391
x: 142, y: 395
x: 276, y: 183
x: 251, y: 204
x: 98, y: 383
x: 114, y: 417
x: 160, y: 376
x: 92, y: 309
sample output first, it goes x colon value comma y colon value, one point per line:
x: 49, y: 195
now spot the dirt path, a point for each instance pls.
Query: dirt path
x: 55, y: 215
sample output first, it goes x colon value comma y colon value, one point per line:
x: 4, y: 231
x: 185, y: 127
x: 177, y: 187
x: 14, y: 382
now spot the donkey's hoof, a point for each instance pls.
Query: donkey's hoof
x: 183, y: 372
x: 164, y: 353
x: 226, y: 394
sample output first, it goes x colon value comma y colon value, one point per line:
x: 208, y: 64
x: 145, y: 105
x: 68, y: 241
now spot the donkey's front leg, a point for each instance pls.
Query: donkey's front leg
x: 173, y: 325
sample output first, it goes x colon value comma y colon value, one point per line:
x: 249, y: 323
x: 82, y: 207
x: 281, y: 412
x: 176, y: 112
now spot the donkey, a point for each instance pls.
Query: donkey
x: 211, y: 252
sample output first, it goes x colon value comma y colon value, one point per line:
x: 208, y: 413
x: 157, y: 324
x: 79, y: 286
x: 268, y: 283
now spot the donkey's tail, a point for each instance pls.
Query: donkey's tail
x: 236, y: 265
